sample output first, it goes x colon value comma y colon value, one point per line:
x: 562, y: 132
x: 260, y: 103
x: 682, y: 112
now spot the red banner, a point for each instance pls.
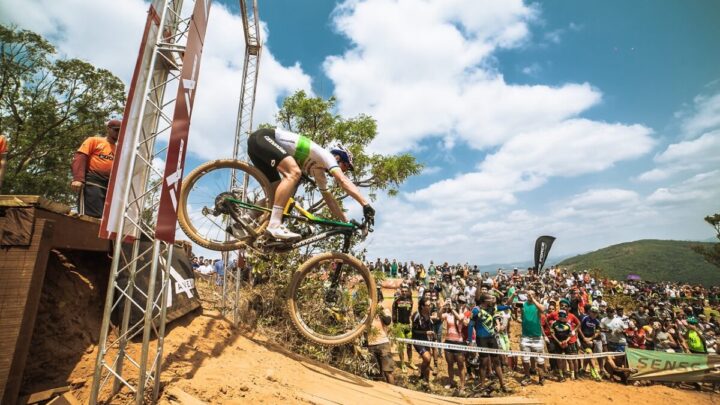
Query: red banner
x: 177, y: 147
x: 126, y: 143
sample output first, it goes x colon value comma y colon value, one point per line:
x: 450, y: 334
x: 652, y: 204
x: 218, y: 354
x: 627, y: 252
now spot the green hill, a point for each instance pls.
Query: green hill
x: 655, y: 260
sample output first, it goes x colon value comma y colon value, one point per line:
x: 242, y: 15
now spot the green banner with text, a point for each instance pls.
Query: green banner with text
x: 662, y: 366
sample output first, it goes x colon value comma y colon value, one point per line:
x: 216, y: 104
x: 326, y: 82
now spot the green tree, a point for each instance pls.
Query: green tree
x: 314, y: 117
x: 711, y: 254
x: 48, y: 106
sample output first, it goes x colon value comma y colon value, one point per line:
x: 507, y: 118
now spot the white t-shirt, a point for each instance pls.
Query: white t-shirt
x: 470, y: 293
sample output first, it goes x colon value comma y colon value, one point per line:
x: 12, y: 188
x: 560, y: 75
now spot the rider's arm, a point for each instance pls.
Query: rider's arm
x: 330, y: 201
x: 535, y: 302
x: 348, y: 186
x: 384, y: 318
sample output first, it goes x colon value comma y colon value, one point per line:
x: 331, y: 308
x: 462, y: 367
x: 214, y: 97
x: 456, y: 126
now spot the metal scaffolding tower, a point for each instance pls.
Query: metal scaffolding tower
x: 253, y: 47
x: 141, y: 201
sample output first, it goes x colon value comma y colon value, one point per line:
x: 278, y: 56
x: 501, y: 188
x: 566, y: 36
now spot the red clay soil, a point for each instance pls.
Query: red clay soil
x: 68, y: 321
x: 210, y: 361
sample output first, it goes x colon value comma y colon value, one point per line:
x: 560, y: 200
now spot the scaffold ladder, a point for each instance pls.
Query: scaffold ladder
x: 146, y: 175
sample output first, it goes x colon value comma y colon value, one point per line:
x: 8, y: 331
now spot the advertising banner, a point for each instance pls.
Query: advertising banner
x: 177, y: 147
x: 542, y: 249
x: 182, y: 296
x: 127, y: 142
x: 673, y: 367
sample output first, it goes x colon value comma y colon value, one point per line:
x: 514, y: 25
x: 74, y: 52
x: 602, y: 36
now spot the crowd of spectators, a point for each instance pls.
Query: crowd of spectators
x: 558, y: 311
x: 211, y: 270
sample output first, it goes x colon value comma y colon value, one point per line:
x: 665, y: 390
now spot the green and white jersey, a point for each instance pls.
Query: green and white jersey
x: 313, y: 159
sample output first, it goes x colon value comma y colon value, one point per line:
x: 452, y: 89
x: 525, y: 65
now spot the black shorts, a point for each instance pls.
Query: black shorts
x: 384, y: 356
x: 571, y: 348
x: 488, y: 342
x: 265, y: 153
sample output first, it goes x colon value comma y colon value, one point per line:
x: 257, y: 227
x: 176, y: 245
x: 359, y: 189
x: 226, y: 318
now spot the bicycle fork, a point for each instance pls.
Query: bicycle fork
x: 335, y: 277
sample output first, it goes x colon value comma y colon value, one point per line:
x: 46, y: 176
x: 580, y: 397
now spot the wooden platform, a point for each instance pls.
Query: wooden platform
x: 30, y: 226
x: 76, y: 232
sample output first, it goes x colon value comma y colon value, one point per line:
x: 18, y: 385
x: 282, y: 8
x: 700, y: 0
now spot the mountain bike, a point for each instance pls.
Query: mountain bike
x: 225, y: 205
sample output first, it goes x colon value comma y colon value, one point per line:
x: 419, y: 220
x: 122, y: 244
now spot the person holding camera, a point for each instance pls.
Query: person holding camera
x: 454, y: 321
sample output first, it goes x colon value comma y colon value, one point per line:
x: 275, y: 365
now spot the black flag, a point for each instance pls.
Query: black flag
x: 542, y: 248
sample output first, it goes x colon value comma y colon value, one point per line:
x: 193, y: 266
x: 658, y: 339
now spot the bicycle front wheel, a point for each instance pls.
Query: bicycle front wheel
x: 208, y: 204
x: 332, y: 298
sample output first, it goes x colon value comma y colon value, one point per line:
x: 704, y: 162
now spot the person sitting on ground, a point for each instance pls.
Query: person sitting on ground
x: 278, y: 152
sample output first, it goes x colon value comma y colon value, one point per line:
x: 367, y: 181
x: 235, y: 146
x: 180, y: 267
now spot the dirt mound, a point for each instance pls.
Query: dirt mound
x: 68, y: 321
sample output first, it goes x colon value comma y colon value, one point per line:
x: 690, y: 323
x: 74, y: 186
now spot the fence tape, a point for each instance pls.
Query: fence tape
x: 511, y: 353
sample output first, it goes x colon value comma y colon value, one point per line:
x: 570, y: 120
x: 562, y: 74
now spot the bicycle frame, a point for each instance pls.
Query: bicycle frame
x: 340, y: 228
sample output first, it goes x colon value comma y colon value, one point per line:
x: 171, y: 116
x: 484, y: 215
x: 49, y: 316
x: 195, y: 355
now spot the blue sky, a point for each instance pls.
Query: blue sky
x: 596, y: 122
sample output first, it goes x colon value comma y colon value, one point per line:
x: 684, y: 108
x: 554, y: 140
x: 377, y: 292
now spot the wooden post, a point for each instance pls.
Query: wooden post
x: 22, y: 271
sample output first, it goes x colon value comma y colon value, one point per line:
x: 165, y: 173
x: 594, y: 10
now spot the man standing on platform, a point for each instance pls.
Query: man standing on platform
x: 91, y: 170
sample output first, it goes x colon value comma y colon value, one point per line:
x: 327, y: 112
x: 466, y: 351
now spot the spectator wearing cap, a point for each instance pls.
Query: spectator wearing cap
x: 591, y: 341
x: 91, y: 169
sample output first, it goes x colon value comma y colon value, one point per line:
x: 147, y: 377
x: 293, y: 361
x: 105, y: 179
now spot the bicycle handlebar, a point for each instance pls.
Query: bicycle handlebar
x: 364, y: 227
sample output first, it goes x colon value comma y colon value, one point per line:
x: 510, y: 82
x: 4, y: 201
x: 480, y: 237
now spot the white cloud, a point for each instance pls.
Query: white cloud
x: 220, y: 82
x: 527, y: 161
x: 704, y: 149
x: 431, y: 170
x: 423, y: 72
x: 704, y: 115
x: 107, y: 33
x: 600, y: 197
x: 422, y: 68
x: 656, y: 174
x: 532, y: 70
x: 554, y: 36
x: 702, y: 186
x: 685, y: 157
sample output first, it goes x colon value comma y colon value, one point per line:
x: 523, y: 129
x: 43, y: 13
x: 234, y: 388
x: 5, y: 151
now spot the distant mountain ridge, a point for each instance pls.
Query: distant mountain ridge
x: 522, y: 265
x: 651, y: 259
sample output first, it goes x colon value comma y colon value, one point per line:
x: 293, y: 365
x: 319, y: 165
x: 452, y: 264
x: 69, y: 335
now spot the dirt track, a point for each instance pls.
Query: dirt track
x: 217, y: 366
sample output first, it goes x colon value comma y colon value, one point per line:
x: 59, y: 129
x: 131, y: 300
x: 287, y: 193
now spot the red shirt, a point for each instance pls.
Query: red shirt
x: 572, y: 320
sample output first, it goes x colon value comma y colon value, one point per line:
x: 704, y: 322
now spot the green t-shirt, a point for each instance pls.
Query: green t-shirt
x: 510, y: 292
x: 530, y: 321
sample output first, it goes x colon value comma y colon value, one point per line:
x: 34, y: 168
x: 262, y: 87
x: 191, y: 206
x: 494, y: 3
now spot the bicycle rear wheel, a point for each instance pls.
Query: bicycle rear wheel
x: 205, y: 212
x: 332, y: 312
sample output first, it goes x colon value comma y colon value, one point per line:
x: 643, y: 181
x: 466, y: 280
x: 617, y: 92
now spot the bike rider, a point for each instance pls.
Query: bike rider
x: 278, y: 152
